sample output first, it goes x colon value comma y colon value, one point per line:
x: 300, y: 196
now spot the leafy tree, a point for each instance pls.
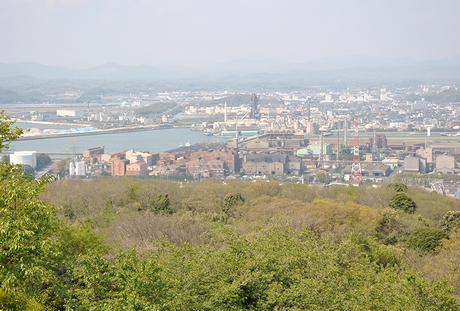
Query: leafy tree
x: 296, y: 191
x: 8, y: 133
x: 79, y: 239
x: 426, y: 239
x: 388, y: 227
x: 20, y: 301
x: 403, y: 202
x: 26, y: 230
x: 29, y: 170
x: 27, y: 224
x: 63, y: 167
x: 127, y: 283
x: 230, y: 201
x: 397, y: 186
x: 450, y: 221
x: 43, y: 160
x: 161, y: 203
x: 277, y: 268
x: 260, y: 187
x: 444, y: 264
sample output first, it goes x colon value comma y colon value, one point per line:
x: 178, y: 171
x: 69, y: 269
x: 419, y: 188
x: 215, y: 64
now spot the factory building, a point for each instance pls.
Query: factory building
x: 70, y: 113
x: 315, y: 150
x: 445, y: 164
x: 92, y: 152
x: 415, y: 165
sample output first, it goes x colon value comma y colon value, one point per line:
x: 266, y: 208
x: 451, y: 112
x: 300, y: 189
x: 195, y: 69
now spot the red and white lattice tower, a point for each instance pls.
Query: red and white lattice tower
x: 356, y: 172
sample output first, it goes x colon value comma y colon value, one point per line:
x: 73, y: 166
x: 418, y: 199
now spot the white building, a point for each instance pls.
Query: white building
x: 419, y: 105
x: 136, y: 156
x: 70, y: 113
x: 24, y: 158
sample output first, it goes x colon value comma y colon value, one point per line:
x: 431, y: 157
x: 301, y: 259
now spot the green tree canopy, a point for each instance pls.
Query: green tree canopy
x: 7, y: 131
x: 426, y: 239
x: 397, y: 186
x: 450, y: 221
x: 403, y: 202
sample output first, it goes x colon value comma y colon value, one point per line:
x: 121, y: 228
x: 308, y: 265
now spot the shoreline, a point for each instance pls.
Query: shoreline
x: 48, y: 122
x: 97, y: 132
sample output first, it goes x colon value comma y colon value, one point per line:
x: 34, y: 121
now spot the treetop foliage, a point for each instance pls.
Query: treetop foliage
x: 8, y: 133
x: 397, y: 186
x: 403, y: 202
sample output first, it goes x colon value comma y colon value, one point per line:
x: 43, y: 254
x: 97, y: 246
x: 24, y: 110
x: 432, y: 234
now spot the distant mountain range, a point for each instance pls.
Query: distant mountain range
x: 355, y: 67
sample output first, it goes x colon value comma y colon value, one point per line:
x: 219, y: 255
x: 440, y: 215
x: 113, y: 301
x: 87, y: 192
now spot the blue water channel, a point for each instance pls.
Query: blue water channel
x: 158, y: 140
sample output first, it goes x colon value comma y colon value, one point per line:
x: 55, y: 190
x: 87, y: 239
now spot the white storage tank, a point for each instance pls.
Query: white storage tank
x: 80, y: 169
x: 24, y: 158
x: 71, y: 169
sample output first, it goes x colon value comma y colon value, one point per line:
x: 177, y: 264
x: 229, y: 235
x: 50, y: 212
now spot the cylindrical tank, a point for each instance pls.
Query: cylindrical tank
x: 312, y: 128
x: 24, y: 158
x: 80, y: 169
x: 71, y: 169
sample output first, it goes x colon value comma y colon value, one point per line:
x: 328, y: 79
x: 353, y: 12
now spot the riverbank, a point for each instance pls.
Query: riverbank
x: 97, y: 132
x: 50, y: 123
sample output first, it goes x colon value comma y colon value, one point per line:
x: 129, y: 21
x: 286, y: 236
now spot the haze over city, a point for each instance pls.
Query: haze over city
x: 88, y: 33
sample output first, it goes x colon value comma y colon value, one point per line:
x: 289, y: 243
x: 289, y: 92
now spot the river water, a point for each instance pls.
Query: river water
x: 145, y: 140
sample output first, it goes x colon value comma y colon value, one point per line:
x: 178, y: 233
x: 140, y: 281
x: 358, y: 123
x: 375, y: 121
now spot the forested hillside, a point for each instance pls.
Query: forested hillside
x: 132, y: 244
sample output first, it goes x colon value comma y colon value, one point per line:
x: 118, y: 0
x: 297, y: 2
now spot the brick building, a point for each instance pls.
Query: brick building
x: 119, y: 166
x: 92, y: 152
x: 136, y: 169
x: 229, y: 159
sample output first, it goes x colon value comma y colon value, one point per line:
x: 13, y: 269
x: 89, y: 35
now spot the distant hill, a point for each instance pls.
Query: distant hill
x: 343, y: 67
x: 34, y: 82
x: 8, y: 96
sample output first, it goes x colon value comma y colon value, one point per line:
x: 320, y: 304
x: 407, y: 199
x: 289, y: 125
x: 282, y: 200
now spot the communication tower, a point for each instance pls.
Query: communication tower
x: 356, y: 171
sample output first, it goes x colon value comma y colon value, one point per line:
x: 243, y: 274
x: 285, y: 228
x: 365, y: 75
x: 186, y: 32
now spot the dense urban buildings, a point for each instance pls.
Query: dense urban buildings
x: 298, y: 134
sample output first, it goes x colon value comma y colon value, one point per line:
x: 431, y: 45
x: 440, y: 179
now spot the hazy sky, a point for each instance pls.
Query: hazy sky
x: 133, y: 32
